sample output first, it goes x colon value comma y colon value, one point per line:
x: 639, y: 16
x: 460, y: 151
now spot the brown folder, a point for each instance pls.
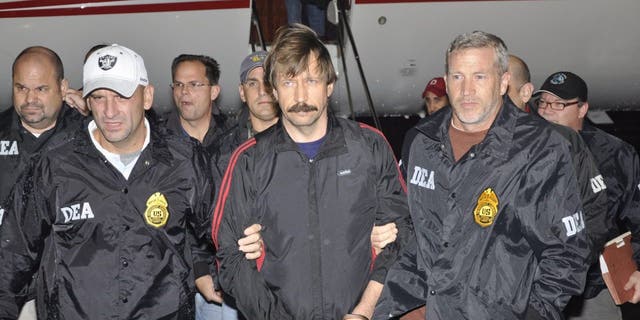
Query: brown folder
x: 617, y: 264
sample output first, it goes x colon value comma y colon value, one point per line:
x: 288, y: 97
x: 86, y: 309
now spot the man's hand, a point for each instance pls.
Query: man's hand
x: 252, y: 243
x: 74, y: 99
x: 634, y: 283
x: 364, y: 309
x: 206, y: 289
x: 381, y: 236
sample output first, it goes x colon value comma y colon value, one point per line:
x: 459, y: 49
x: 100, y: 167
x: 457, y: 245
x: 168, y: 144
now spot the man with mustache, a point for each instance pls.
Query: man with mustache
x: 317, y: 184
x: 37, y: 115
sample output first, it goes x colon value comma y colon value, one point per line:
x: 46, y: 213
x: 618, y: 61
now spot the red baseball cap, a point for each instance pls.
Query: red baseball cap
x: 436, y: 86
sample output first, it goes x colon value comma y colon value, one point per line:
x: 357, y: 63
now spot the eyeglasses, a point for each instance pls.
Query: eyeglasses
x: 192, y: 85
x: 559, y: 106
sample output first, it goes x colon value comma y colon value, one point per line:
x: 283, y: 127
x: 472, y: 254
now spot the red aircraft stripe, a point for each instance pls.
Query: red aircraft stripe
x: 414, y: 1
x: 20, y: 9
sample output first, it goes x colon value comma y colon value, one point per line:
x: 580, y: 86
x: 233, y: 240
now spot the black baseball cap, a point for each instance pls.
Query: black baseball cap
x: 565, y: 85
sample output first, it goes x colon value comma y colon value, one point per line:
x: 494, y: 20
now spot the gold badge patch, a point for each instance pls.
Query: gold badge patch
x: 487, y: 208
x: 156, y: 213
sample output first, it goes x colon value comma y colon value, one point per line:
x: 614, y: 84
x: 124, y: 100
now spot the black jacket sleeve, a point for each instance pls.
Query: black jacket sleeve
x: 592, y: 192
x: 629, y: 202
x: 202, y: 247
x: 553, y: 224
x: 409, y: 136
x: 24, y: 228
x: 392, y: 205
x: 238, y: 276
x: 405, y: 287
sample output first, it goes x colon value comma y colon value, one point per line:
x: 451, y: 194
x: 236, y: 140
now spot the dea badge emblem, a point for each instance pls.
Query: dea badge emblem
x: 156, y: 213
x: 486, y: 209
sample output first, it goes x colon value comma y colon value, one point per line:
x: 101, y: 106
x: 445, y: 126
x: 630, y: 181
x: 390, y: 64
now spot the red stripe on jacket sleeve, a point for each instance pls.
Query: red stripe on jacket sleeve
x: 224, y: 189
x: 373, y: 259
x: 402, y: 182
x: 260, y: 260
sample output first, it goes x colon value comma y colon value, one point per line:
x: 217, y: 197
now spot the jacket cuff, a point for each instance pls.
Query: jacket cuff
x: 532, y: 314
x: 200, y: 269
x: 379, y: 274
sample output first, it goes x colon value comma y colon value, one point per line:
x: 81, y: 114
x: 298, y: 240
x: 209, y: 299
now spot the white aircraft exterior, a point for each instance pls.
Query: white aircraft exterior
x: 401, y: 44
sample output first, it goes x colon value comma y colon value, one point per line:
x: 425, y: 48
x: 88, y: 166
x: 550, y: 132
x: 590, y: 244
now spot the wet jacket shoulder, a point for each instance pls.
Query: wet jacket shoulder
x: 333, y: 199
x: 80, y: 225
x: 618, y: 163
x: 512, y: 201
x: 408, y: 139
x: 17, y: 145
x: 591, y: 187
x: 235, y: 134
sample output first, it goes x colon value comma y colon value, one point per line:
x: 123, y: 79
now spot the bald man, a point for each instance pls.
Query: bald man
x: 520, y: 86
x: 38, y: 112
x: 593, y: 199
x: 37, y: 115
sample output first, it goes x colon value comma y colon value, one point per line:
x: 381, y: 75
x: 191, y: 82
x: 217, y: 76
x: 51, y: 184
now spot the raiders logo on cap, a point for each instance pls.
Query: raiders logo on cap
x: 107, y: 62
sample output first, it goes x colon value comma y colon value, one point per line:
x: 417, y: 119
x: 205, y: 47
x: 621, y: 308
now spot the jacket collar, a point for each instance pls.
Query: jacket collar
x: 216, y: 124
x: 587, y: 127
x: 498, y: 141
x: 156, y: 151
x: 14, y: 118
x: 334, y: 143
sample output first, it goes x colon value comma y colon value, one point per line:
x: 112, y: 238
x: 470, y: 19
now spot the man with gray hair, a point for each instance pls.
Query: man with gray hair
x: 492, y: 194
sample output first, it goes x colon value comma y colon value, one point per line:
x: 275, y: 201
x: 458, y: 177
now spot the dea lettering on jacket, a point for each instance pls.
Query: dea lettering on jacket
x: 597, y: 183
x: 573, y: 223
x: 77, y: 211
x: 423, y: 178
x: 8, y: 148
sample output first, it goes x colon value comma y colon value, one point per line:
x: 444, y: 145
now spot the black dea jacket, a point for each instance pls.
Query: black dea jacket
x: 318, y: 215
x: 500, y: 233
x: 17, y: 145
x: 618, y: 163
x: 104, y: 247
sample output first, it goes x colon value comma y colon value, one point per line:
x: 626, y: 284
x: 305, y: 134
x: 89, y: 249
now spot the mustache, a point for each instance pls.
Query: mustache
x: 32, y: 105
x: 302, y: 107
